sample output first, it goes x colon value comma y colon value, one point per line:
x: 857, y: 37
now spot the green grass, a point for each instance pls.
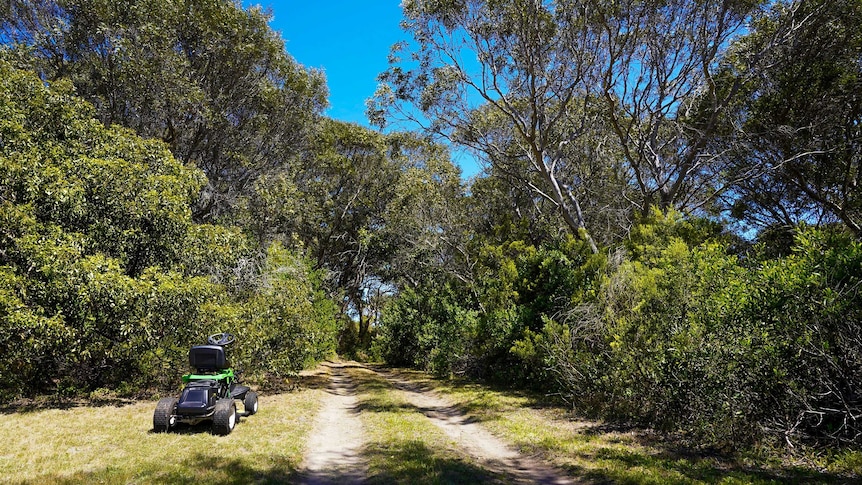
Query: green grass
x: 403, y: 445
x: 115, y: 444
x: 112, y: 444
x: 603, y: 454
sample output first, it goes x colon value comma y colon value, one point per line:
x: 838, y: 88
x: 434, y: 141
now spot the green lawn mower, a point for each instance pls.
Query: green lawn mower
x: 209, y: 394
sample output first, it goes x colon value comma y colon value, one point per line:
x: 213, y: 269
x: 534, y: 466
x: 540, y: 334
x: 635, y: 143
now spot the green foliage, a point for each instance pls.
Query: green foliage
x: 517, y: 288
x: 105, y: 281
x: 696, y: 340
x: 208, y: 77
x: 676, y: 332
x: 800, y: 116
x: 289, y: 324
x: 426, y: 328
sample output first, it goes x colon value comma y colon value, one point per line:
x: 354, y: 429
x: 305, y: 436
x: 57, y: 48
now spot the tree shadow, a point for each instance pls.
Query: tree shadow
x: 202, y: 468
x: 204, y: 427
x: 412, y: 462
x: 624, y: 466
x: 377, y: 405
x: 656, y: 454
x: 26, y: 406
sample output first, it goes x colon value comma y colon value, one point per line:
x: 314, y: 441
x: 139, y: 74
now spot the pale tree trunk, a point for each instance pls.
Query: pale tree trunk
x: 568, y: 204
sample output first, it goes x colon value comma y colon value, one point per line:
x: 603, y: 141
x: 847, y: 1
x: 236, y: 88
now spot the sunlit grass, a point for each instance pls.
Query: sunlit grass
x: 112, y: 444
x: 604, y: 453
x: 116, y: 445
x: 403, y: 445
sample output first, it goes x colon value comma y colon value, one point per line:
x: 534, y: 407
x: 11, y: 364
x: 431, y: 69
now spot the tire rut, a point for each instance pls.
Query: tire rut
x: 335, y: 445
x: 491, y: 452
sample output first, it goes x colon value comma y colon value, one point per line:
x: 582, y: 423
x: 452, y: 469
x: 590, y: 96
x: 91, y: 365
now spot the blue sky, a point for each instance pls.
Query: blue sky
x: 349, y: 41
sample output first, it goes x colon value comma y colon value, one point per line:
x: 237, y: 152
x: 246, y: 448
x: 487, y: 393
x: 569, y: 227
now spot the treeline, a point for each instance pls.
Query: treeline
x: 166, y: 173
x: 106, y: 280
x: 667, y: 232
x: 676, y: 328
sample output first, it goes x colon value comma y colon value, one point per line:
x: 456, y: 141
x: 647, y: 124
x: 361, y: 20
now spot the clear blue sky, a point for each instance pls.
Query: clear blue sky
x: 349, y: 40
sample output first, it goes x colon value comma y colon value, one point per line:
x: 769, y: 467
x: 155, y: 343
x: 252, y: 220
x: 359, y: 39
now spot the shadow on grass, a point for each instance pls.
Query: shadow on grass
x: 654, y: 458
x: 412, y: 462
x: 624, y: 466
x: 24, y: 406
x: 190, y: 429
x: 321, y: 379
x: 222, y: 470
x: 379, y: 405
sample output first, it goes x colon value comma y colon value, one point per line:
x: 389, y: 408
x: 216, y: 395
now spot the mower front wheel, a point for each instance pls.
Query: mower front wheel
x: 163, y: 416
x: 224, y: 419
x: 250, y: 403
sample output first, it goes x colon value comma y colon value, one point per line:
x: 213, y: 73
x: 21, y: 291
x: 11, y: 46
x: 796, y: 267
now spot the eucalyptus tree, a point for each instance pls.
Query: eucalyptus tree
x: 801, y: 119
x: 345, y: 184
x: 549, y: 91
x: 380, y: 212
x: 208, y: 77
x: 426, y: 226
x: 526, y: 61
x: 656, y: 71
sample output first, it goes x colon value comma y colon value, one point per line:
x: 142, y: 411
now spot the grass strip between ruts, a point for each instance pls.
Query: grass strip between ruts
x: 403, y: 445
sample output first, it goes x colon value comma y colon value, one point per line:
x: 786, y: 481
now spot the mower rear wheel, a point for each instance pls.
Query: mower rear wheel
x: 163, y: 415
x: 250, y: 403
x: 224, y: 419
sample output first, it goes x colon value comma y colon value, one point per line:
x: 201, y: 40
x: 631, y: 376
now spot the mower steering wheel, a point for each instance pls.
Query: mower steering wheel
x: 222, y: 339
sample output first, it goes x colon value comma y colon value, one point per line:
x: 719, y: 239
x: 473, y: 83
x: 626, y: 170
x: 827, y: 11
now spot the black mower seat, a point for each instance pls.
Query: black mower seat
x: 208, y: 358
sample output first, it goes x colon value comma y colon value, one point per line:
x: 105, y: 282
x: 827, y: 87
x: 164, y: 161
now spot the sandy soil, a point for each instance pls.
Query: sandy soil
x: 335, y: 446
x: 491, y: 452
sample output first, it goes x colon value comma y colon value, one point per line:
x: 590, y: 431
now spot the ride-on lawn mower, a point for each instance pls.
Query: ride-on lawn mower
x: 209, y: 393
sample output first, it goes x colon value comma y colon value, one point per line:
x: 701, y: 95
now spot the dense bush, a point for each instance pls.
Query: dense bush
x: 730, y: 349
x: 517, y: 288
x: 674, y: 331
x: 105, y: 281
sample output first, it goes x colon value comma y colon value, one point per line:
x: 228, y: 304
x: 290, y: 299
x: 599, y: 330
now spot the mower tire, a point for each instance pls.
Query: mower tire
x: 225, y: 417
x: 250, y: 403
x: 162, y: 420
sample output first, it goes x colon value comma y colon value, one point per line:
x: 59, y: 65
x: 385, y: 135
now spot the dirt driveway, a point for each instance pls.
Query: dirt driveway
x: 335, y: 447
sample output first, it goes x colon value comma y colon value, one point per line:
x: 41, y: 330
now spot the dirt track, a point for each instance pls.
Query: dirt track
x: 334, y: 453
x: 335, y: 445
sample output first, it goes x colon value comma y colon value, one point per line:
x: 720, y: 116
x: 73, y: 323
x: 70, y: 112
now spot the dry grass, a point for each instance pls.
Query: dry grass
x: 606, y: 454
x: 403, y: 446
x: 113, y: 444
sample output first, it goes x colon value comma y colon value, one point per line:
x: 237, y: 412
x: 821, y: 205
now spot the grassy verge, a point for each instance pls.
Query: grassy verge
x: 403, y: 445
x: 601, y: 453
x: 113, y: 444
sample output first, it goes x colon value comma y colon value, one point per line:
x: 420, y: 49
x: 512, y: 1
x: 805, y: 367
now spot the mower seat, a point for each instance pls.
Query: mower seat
x: 208, y: 358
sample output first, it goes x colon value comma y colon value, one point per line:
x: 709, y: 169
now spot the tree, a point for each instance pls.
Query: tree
x: 553, y: 93
x: 425, y: 222
x: 530, y: 69
x: 346, y: 183
x: 93, y: 233
x: 210, y: 79
x: 801, y: 119
x: 105, y: 280
x: 378, y: 212
x: 656, y: 63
